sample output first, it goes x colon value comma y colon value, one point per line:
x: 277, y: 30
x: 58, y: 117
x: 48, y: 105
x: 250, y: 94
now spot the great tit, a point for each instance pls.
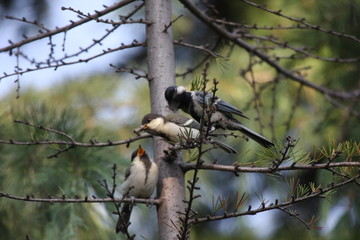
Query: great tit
x: 175, y: 128
x: 193, y: 102
x: 140, y: 182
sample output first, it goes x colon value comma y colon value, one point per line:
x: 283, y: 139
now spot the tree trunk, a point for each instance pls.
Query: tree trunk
x: 161, y: 70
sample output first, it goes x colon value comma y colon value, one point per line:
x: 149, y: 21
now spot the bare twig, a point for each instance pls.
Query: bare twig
x: 166, y: 27
x: 29, y: 198
x: 301, y: 21
x: 92, y: 143
x: 237, y: 168
x: 234, y: 37
x: 61, y: 63
x: 277, y: 205
x: 66, y: 28
x: 201, y: 48
x: 46, y: 129
x: 189, y: 213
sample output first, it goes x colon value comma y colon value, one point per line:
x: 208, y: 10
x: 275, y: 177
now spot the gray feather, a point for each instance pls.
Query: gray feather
x: 223, y: 146
x: 183, y: 121
x: 253, y: 135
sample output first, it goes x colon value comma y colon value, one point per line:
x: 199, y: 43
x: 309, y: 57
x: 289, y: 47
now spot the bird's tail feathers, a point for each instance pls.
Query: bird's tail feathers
x: 223, y: 146
x: 255, y: 136
x: 124, y: 218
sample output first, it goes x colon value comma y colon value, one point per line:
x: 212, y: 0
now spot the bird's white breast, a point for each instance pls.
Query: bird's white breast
x: 137, y: 183
x: 172, y: 130
x: 175, y: 131
x: 156, y: 124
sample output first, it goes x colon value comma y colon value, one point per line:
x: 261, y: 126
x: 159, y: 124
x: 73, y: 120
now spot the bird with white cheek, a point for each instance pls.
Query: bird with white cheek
x: 175, y: 127
x: 140, y: 181
x: 194, y: 102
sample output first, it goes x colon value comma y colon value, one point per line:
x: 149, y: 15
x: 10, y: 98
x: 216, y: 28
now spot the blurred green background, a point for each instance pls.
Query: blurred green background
x: 108, y: 105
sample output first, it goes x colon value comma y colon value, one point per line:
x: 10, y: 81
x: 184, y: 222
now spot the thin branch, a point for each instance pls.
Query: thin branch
x: 201, y: 48
x: 58, y: 152
x: 136, y: 72
x: 123, y: 19
x: 256, y: 100
x: 238, y: 169
x: 36, y: 23
x: 45, y: 129
x: 66, y: 28
x: 202, y: 62
x: 336, y: 103
x: 92, y: 143
x: 234, y: 37
x: 294, y: 107
x: 301, y: 21
x: 189, y: 213
x: 171, y: 23
x: 290, y: 213
x: 86, y: 199
x: 302, y: 51
x: 61, y: 63
x: 111, y: 194
x: 264, y: 208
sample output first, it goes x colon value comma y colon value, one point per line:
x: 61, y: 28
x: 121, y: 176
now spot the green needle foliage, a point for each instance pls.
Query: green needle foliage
x: 27, y: 170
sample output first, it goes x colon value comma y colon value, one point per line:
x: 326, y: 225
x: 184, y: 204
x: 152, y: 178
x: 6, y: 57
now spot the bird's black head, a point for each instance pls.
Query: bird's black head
x: 149, y: 117
x: 133, y: 155
x: 175, y: 96
x: 170, y: 92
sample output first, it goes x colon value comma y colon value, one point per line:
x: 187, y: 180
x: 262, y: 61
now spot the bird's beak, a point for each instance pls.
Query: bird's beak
x: 140, y: 151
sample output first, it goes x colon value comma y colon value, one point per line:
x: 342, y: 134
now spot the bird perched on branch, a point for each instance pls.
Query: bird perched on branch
x: 175, y: 128
x: 140, y: 182
x: 220, y: 112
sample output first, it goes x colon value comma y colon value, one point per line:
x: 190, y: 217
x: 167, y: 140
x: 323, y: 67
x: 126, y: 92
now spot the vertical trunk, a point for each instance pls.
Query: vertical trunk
x: 161, y: 67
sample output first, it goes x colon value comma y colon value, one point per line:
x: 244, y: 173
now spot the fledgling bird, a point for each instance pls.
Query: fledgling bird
x: 140, y: 181
x: 174, y: 127
x: 192, y: 102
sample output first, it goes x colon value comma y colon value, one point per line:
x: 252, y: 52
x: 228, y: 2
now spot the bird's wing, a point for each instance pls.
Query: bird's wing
x: 184, y: 121
x: 227, y: 108
x: 220, y: 105
x: 199, y: 97
x: 127, y: 172
x: 124, y: 188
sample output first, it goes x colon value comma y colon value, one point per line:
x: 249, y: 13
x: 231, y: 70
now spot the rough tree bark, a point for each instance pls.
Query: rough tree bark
x: 161, y: 70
